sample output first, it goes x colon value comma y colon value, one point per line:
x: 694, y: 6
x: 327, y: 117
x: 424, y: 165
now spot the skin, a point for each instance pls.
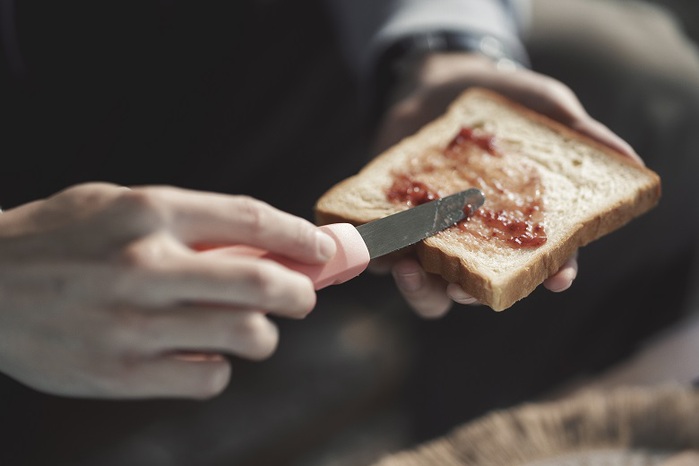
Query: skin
x: 103, y: 294
x: 434, y: 81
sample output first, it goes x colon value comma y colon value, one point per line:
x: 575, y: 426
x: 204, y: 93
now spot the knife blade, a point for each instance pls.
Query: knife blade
x: 394, y: 232
x: 357, y: 246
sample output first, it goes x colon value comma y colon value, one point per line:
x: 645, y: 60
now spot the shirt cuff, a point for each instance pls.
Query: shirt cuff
x: 488, y: 26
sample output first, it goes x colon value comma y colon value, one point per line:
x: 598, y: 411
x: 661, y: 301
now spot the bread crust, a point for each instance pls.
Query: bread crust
x: 437, y: 256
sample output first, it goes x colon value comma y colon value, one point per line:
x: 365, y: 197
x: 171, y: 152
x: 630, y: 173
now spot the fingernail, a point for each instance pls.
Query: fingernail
x: 561, y: 288
x: 326, y: 246
x: 410, y: 282
x: 460, y: 296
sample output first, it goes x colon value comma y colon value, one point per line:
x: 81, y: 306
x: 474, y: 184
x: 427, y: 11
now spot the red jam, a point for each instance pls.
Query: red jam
x: 513, y: 212
x: 508, y: 227
x: 469, y: 136
x: 410, y: 192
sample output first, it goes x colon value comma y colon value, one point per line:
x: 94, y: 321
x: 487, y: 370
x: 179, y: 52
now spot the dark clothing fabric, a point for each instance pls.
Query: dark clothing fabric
x: 214, y: 97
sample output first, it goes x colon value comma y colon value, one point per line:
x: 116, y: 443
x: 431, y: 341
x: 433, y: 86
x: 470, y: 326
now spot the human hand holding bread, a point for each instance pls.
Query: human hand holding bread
x: 433, y: 84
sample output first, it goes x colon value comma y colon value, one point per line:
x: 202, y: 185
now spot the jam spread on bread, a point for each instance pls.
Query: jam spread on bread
x: 469, y: 136
x: 513, y: 213
x: 410, y: 192
x: 506, y: 226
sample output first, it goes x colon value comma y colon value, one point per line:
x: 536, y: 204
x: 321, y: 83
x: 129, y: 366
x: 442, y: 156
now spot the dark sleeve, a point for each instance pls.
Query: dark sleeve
x: 369, y: 27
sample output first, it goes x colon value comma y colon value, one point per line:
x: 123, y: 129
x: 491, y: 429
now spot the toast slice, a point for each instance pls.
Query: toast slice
x: 549, y: 191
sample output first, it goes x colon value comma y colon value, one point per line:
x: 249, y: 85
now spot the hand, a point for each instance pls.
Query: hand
x: 431, y: 84
x: 103, y: 293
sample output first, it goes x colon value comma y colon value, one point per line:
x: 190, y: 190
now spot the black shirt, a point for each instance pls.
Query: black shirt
x: 235, y: 97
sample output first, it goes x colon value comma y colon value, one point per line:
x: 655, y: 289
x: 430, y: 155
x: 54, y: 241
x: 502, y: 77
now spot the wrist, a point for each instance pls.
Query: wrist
x: 402, y: 61
x: 441, y: 69
x: 488, y: 46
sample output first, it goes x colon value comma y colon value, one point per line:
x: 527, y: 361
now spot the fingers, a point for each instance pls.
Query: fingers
x: 170, y: 376
x: 175, y: 353
x: 158, y: 271
x: 199, y: 217
x: 431, y: 297
x: 563, y: 279
x: 439, y: 78
x: 558, y: 101
x: 193, y: 330
x: 180, y: 350
x: 601, y: 133
x: 95, y: 219
x: 458, y: 295
x: 424, y: 292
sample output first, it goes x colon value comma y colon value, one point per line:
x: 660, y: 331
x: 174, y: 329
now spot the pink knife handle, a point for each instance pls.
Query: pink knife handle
x: 351, y: 259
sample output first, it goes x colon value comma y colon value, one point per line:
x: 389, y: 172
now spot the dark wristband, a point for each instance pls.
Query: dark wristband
x: 389, y: 65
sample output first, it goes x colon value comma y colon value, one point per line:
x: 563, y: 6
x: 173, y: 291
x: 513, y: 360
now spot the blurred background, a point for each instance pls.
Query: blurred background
x: 230, y: 107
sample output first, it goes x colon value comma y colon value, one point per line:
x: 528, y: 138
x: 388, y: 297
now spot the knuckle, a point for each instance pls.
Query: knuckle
x: 259, y: 334
x: 91, y: 192
x: 143, y: 253
x: 300, y: 300
x: 143, y: 207
x: 555, y: 90
x: 261, y: 278
x: 276, y: 289
x: 305, y: 301
x: 137, y: 200
x: 306, y: 238
x: 250, y: 213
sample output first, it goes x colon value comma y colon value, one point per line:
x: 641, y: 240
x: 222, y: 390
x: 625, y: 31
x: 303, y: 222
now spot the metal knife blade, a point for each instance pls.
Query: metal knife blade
x: 402, y: 229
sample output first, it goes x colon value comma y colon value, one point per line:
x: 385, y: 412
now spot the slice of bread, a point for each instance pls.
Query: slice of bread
x: 549, y: 191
